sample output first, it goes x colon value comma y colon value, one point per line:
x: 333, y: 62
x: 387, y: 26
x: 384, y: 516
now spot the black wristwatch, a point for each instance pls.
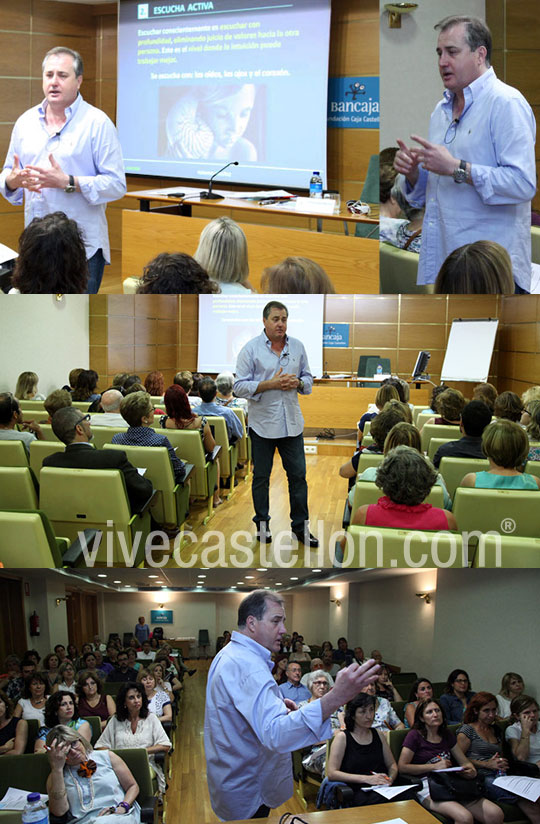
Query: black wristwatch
x: 71, y: 185
x: 460, y: 174
x: 300, y: 387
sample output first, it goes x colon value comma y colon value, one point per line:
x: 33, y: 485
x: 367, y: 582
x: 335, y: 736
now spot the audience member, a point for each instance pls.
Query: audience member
x: 58, y: 399
x: 487, y: 393
x: 292, y: 688
x: 224, y: 396
x: 34, y: 698
x: 73, y: 428
x: 523, y: 735
x: 475, y: 416
x: 296, y: 275
x: 12, y: 681
x: 27, y: 385
x: 146, y: 653
x: 142, y: 630
x: 421, y: 690
x: 479, y: 268
x: 279, y: 670
x: 316, y: 664
x: 13, y: 731
x: 435, y: 392
x: 12, y: 417
x: 207, y: 391
x: 157, y: 669
x: 123, y: 671
x: 450, y: 405
x: 329, y: 665
x: 52, y: 258
x: 137, y: 410
x: 386, y: 717
x: 223, y: 253
x: 158, y: 700
x: 66, y: 681
x: 456, y: 696
x: 175, y: 274
x: 51, y: 664
x: 533, y: 430
x: 61, y: 708
x: 403, y: 232
x: 511, y: 687
x: 109, y: 414
x: 92, y: 699
x: 508, y: 406
x: 154, y: 383
x: 384, y: 687
x: 85, y: 388
x: 406, y: 478
x: 72, y: 378
x: 506, y: 446
x: 384, y: 394
x: 343, y: 655
x: 381, y: 425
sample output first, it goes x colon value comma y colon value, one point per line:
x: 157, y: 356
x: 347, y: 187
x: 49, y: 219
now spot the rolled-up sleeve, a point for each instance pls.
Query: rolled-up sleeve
x: 109, y: 181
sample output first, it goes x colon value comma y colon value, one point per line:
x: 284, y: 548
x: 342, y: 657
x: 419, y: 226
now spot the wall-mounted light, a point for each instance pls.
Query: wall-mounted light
x: 58, y: 601
x: 425, y: 595
x: 395, y: 10
x: 335, y: 601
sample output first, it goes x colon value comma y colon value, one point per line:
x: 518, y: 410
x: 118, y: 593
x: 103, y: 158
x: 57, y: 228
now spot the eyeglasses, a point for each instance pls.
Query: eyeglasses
x: 81, y: 420
x: 451, y: 131
x: 320, y: 683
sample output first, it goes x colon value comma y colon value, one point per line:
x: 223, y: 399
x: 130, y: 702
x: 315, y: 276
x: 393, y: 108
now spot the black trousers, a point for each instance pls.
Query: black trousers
x: 294, y: 463
x: 262, y: 812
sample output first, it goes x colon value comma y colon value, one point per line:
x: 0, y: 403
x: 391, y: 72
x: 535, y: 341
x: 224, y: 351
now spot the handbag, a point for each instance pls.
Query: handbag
x: 445, y: 786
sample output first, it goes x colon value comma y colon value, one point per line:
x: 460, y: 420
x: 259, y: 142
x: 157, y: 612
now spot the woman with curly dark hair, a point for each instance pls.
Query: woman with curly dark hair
x: 61, y: 708
x: 52, y: 258
x: 85, y: 388
x: 175, y: 274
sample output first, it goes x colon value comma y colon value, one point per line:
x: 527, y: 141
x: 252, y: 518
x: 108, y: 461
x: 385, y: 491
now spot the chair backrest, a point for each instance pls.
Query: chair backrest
x: 435, y: 430
x: 399, y: 271
x: 156, y: 461
x: 39, y: 450
x: 372, y: 364
x: 95, y: 726
x: 104, y: 434
x: 367, y: 492
x: 423, y: 417
x: 454, y: 470
x: 18, y: 488
x: 27, y: 540
x: 502, y: 551
x: 399, y: 706
x: 13, y: 453
x: 369, y: 459
x: 221, y: 437
x: 416, y: 411
x: 438, y: 688
x: 510, y: 511
x: 403, y: 678
x: 33, y: 729
x: 367, y: 428
x: 243, y: 452
x: 204, y: 637
x: 370, y: 546
x: 48, y: 434
x: 367, y: 440
x: 395, y: 741
x: 533, y: 468
x: 26, y: 772
x: 189, y: 448
x: 434, y: 445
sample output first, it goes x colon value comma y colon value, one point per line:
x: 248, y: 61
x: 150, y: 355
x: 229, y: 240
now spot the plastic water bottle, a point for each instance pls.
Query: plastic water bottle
x: 315, y: 185
x: 35, y: 811
x: 379, y: 369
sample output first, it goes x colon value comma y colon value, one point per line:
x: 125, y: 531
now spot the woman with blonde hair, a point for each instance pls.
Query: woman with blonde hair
x: 223, y: 253
x: 26, y: 389
x: 479, y: 268
x: 506, y: 446
x: 296, y: 276
x: 511, y: 687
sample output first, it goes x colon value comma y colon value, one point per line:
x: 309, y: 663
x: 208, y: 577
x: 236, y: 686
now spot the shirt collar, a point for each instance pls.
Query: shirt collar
x: 268, y: 343
x: 474, y: 89
x: 69, y: 111
x: 254, y: 646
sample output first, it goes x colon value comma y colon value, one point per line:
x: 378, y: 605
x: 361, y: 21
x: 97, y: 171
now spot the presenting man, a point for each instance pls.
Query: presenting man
x: 249, y: 728
x: 476, y: 173
x: 64, y: 156
x: 271, y: 371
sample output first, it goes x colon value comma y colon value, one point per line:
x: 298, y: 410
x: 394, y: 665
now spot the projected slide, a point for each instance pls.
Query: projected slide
x: 201, y: 84
x: 228, y: 322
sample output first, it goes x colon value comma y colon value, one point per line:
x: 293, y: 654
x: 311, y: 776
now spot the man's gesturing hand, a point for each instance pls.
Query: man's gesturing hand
x: 406, y: 162
x: 435, y: 158
x: 52, y: 178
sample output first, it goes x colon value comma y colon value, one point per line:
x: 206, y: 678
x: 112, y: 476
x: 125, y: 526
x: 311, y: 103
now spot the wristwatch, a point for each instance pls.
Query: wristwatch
x: 300, y: 387
x: 460, y: 174
x: 71, y: 185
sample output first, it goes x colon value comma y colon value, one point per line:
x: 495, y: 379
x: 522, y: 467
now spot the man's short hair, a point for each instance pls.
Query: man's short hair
x: 56, y: 400
x: 8, y: 405
x: 476, y: 32
x: 77, y: 59
x: 110, y: 400
x: 184, y: 379
x: 207, y: 389
x: 135, y: 406
x: 225, y: 382
x: 274, y: 304
x: 255, y: 604
x: 64, y: 423
x: 475, y: 417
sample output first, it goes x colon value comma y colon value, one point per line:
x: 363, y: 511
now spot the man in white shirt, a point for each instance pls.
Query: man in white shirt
x: 110, y: 403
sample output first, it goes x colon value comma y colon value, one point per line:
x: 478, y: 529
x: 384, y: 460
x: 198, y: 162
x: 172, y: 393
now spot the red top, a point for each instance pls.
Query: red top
x: 101, y: 710
x: 421, y: 516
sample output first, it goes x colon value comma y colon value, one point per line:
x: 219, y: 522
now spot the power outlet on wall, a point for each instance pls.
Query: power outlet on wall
x: 310, y: 448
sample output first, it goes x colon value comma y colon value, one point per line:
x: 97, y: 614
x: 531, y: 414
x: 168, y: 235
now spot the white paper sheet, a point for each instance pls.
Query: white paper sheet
x: 520, y: 785
x: 15, y: 799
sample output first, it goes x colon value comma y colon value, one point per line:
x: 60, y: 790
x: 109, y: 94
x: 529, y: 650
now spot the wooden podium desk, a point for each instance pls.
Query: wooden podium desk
x: 334, y: 404
x: 352, y: 263
x: 410, y: 811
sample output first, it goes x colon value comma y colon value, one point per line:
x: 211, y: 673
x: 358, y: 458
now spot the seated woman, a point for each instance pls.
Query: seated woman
x: 85, y: 785
x: 298, y: 653
x: 360, y: 756
x: 456, y: 696
x: 180, y: 416
x: 66, y: 681
x: 482, y: 742
x: 523, y: 735
x: 132, y: 659
x: 385, y: 717
x: 223, y: 253
x: 479, y: 268
x: 431, y: 746
x: 406, y: 478
x: 158, y: 670
x: 134, y: 726
x: 512, y: 687
x: 384, y: 687
x: 32, y: 704
x: 85, y: 387
x: 52, y: 258
x: 279, y: 670
x: 400, y: 224
x: 408, y: 435
x: 506, y: 446
x: 449, y: 406
x: 508, y: 406
x: 154, y: 384
x: 487, y: 393
x: 61, y: 708
x: 296, y: 276
x: 421, y: 690
x: 435, y: 392
x: 384, y: 394
x: 137, y: 410
x: 158, y: 700
x: 533, y: 429
x: 13, y: 731
x: 27, y: 386
x: 51, y: 665
x: 92, y: 699
x: 175, y: 274
x: 393, y: 412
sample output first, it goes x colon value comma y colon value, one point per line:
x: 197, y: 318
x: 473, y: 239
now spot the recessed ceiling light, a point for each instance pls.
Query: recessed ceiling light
x: 316, y: 570
x: 278, y: 584
x: 267, y: 587
x: 294, y: 579
x: 101, y: 575
x: 249, y: 577
x: 205, y: 567
x: 201, y: 576
x: 261, y: 569
x: 153, y: 576
x: 117, y: 582
x: 240, y: 582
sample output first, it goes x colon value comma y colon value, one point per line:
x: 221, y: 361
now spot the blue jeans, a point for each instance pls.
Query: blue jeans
x: 96, y: 265
x: 497, y: 794
x: 294, y: 463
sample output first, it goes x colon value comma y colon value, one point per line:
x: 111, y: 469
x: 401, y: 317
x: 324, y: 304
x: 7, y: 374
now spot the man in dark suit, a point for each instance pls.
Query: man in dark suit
x: 475, y: 416
x: 73, y: 428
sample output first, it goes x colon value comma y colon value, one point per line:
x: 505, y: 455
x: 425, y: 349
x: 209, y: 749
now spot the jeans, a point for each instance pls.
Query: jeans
x: 294, y: 463
x: 96, y: 265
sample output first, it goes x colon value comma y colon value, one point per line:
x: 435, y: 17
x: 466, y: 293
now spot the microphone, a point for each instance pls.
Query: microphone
x: 210, y: 195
